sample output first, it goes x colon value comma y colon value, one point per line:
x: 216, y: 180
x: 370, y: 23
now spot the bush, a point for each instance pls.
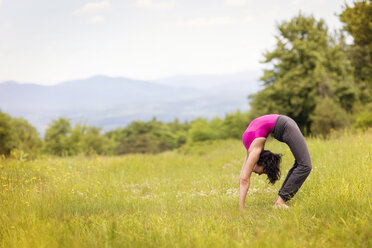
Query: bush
x: 146, y: 137
x: 63, y: 140
x: 235, y: 124
x: 363, y: 121
x: 328, y: 115
x: 202, y: 130
x: 27, y: 138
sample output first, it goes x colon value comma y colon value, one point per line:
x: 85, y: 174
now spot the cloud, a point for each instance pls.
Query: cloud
x: 213, y: 22
x: 156, y: 5
x: 97, y: 19
x: 207, y: 22
x: 1, y: 1
x: 235, y: 2
x: 295, y: 2
x: 93, y: 7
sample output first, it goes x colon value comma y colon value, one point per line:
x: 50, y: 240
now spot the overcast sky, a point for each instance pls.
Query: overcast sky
x: 50, y: 41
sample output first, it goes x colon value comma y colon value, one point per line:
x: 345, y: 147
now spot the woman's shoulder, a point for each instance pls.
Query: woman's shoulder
x: 257, y: 143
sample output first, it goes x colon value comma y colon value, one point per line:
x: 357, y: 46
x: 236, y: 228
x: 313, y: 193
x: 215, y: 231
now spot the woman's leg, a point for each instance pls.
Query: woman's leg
x: 293, y: 137
x: 289, y: 174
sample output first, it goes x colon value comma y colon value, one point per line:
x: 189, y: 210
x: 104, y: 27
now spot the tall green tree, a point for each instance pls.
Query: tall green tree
x: 357, y: 21
x: 27, y: 137
x: 93, y: 142
x: 57, y: 137
x: 306, y: 66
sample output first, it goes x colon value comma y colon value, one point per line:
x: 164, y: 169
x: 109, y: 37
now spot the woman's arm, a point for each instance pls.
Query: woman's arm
x: 245, y: 175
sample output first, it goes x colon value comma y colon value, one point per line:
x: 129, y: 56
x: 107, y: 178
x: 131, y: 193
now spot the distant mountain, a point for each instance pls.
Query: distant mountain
x: 99, y: 91
x: 243, y: 81
x: 115, y: 102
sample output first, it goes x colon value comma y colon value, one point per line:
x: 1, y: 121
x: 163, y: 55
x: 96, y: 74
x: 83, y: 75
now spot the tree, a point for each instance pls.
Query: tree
x: 306, y: 66
x: 26, y: 137
x: 57, y: 137
x: 180, y: 130
x: 17, y: 133
x: 74, y: 140
x: 235, y: 124
x: 357, y: 21
x: 328, y: 115
x: 201, y: 130
x: 62, y: 139
x: 145, y: 137
x: 93, y: 142
x: 7, y: 135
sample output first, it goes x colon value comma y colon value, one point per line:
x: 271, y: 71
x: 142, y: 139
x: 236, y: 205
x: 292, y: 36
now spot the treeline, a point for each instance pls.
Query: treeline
x: 20, y: 139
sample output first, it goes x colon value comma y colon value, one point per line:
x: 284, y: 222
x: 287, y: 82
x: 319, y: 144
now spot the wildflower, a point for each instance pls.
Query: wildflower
x: 12, y: 227
x: 201, y: 193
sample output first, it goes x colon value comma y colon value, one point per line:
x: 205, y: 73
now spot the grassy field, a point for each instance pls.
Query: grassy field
x: 188, y: 198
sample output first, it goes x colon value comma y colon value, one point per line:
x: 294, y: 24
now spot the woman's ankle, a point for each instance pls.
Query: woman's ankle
x: 279, y: 200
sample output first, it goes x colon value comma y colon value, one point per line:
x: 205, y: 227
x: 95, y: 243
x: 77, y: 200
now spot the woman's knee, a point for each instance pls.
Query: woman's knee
x: 308, y: 167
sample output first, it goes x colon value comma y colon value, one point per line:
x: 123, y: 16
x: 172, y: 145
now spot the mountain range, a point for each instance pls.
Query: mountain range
x: 112, y: 102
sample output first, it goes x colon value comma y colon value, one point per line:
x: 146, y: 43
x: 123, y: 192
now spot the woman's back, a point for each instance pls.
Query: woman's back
x: 259, y: 128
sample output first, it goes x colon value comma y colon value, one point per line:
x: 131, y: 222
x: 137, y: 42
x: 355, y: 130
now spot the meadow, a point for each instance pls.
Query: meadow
x: 188, y: 198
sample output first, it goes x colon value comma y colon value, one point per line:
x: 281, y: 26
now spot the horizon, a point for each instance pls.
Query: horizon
x: 50, y: 43
x: 155, y: 80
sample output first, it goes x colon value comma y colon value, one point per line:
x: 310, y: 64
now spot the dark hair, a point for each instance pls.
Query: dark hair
x: 270, y: 162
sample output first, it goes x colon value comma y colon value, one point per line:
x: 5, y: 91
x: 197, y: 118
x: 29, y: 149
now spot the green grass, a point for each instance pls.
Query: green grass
x: 188, y: 198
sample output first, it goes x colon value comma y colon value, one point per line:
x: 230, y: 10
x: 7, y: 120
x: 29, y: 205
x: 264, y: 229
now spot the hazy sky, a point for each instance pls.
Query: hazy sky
x: 49, y: 41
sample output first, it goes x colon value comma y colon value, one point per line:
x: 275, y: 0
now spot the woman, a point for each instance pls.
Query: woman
x: 261, y: 161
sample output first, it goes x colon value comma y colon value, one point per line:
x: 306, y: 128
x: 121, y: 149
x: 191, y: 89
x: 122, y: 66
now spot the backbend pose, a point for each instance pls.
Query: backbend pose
x: 261, y: 161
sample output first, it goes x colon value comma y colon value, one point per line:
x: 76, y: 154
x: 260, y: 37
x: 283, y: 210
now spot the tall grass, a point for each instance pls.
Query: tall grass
x: 188, y: 198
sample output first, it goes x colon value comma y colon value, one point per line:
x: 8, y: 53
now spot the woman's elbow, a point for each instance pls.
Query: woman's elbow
x: 244, y: 181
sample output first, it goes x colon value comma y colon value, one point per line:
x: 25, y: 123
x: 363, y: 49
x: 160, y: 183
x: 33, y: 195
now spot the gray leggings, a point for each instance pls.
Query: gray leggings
x: 287, y: 131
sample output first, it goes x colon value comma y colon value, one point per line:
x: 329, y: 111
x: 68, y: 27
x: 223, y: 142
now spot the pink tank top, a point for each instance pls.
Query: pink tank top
x: 259, y: 127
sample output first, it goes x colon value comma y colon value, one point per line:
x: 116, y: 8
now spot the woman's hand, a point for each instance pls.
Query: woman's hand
x: 244, y: 184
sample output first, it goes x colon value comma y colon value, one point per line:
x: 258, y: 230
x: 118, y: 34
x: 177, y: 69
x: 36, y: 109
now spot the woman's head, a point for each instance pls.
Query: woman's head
x: 270, y: 162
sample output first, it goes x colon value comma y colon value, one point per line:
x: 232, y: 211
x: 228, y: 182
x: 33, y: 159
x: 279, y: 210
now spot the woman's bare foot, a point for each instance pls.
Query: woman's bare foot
x: 280, y: 203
